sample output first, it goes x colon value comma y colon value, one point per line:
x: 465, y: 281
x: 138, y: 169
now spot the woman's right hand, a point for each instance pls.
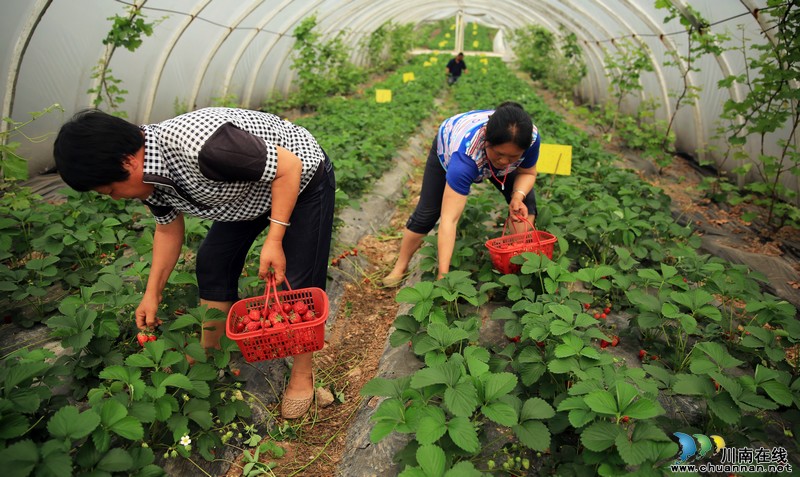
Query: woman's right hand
x: 146, y: 312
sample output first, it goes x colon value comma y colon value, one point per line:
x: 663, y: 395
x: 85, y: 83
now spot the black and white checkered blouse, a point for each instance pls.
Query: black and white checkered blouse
x: 219, y: 163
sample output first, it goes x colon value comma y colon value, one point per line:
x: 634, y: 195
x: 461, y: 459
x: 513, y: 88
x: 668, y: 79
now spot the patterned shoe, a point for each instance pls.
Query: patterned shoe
x: 294, y: 408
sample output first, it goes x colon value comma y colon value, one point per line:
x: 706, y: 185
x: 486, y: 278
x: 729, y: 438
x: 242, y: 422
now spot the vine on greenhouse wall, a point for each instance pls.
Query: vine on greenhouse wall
x: 126, y: 31
x: 559, y: 70
x: 770, y: 80
x: 323, y: 68
x: 700, y: 42
x: 389, y: 45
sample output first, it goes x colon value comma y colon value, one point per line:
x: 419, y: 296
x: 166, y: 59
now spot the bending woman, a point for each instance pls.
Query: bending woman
x: 501, y: 146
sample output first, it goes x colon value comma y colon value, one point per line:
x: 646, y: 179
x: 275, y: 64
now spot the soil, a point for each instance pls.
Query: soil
x: 357, y: 339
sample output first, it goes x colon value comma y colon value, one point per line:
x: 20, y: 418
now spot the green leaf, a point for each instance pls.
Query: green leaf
x: 533, y: 434
x: 536, y: 408
x: 129, y: 427
x: 501, y: 413
x: 602, y: 402
x: 462, y: 399
x: 385, y: 387
x: 723, y: 406
x: 718, y: 353
x: 116, y: 460
x: 432, y: 460
x: 463, y: 434
x: 599, y: 436
x: 633, y: 453
x: 498, y: 384
x: 692, y: 385
x: 643, y: 408
x: 69, y: 423
x: 477, y: 358
x: 431, y: 426
x: 464, y: 468
x: 178, y: 381
x: 19, y: 459
x: 429, y: 376
x: 778, y: 391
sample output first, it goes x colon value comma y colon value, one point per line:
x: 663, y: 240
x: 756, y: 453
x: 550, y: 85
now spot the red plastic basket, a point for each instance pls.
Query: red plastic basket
x: 285, y: 339
x: 501, y: 249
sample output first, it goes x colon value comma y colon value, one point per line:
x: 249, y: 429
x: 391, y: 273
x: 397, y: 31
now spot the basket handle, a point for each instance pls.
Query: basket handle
x: 523, y: 219
x: 272, y: 286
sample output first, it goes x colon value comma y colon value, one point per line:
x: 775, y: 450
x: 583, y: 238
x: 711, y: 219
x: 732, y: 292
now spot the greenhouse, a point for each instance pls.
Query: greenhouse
x: 505, y: 238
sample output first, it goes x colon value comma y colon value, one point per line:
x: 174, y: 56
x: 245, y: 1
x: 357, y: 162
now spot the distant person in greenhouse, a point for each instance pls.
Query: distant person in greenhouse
x: 500, y: 145
x: 455, y: 67
x: 244, y: 170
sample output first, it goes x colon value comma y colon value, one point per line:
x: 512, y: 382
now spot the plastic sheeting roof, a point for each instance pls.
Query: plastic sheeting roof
x: 206, y: 49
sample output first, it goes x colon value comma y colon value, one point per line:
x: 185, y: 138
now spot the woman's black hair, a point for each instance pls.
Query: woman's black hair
x: 510, y: 123
x: 92, y: 147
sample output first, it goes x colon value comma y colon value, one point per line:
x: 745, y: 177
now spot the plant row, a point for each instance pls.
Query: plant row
x: 628, y: 335
x: 106, y: 401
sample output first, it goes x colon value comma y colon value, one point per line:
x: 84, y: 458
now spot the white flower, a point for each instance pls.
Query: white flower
x: 186, y: 440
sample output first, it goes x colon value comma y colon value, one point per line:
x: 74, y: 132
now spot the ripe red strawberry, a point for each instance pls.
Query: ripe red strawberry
x: 540, y: 344
x: 287, y: 307
x: 236, y: 372
x: 606, y: 310
x: 254, y: 315
x: 586, y: 306
x: 274, y: 318
x: 310, y: 316
x: 597, y: 316
x: 603, y: 316
x: 642, y: 354
x: 254, y: 326
x: 142, y: 338
x: 294, y: 318
x: 615, y: 341
x: 604, y: 344
x: 240, y: 327
x: 152, y: 338
x: 625, y: 418
x: 300, y: 308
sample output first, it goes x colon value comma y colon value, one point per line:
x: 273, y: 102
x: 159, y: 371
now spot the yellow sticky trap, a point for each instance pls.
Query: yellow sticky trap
x: 475, y: 44
x: 555, y: 159
x: 442, y: 43
x: 447, y: 35
x: 408, y: 77
x: 383, y: 96
x: 434, y: 59
x: 426, y: 64
x: 485, y: 61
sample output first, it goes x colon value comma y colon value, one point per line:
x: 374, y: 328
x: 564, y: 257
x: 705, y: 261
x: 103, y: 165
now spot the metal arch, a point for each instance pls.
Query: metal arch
x: 233, y: 61
x: 20, y: 47
x: 250, y: 84
x: 289, y: 25
x: 152, y: 90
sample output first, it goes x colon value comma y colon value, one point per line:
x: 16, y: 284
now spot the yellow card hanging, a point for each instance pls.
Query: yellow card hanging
x: 408, y: 77
x: 555, y: 159
x: 383, y: 96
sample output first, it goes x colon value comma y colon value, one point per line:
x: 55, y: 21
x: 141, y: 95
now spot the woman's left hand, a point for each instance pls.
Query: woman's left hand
x: 517, y: 208
x: 272, y: 256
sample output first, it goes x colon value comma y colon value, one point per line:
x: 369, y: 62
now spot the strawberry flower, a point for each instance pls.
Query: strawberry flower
x: 186, y: 441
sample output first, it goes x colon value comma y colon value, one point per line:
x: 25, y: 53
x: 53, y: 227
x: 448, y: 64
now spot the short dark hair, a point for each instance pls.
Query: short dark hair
x: 91, y: 148
x: 510, y: 123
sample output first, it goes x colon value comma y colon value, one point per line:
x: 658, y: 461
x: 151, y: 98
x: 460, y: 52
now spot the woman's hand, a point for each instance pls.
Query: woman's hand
x: 517, y: 208
x: 272, y: 256
x: 146, y: 312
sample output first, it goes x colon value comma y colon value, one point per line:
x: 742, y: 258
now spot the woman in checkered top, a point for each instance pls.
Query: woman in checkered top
x: 244, y: 170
